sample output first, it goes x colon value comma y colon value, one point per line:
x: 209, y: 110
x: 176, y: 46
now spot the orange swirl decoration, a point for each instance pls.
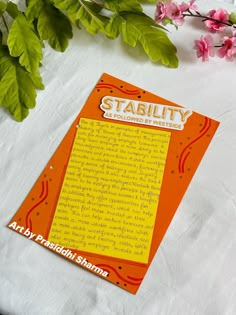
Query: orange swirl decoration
x: 43, y: 196
x: 121, y: 89
x: 184, y: 154
x: 108, y: 268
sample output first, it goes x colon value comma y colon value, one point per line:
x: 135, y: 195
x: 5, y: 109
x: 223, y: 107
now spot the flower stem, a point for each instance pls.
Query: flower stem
x: 5, y: 23
x: 205, y: 18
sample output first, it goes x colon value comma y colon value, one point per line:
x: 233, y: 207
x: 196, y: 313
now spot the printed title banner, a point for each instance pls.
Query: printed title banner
x: 144, y: 113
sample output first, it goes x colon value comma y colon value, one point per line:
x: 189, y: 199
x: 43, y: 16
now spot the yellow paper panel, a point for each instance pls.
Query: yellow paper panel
x: 109, y: 197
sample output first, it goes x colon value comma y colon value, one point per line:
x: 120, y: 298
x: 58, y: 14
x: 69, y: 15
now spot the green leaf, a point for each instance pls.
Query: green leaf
x: 55, y: 27
x: 135, y: 26
x: 232, y: 17
x: 3, y: 7
x: 112, y: 29
x: 24, y: 43
x: 139, y: 28
x: 123, y: 5
x: 17, y: 86
x: 150, y: 1
x: 84, y: 12
x: 71, y: 7
x: 33, y: 9
x: 67, y: 5
x: 12, y: 9
x: 88, y: 15
x: 52, y: 25
x: 37, y: 80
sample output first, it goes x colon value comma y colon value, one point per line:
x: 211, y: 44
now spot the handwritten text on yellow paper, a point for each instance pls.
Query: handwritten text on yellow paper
x: 109, y: 197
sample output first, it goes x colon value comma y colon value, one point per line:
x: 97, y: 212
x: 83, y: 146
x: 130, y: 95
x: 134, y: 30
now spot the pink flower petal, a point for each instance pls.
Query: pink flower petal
x: 221, y: 16
x: 204, y: 47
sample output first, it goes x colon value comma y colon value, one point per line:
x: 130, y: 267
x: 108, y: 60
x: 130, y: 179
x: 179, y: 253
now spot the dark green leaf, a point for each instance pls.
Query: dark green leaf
x: 55, y: 27
x: 3, y: 7
x: 12, y: 9
x: 52, y: 25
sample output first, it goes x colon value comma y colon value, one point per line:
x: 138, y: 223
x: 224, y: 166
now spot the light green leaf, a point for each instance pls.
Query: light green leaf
x: 84, y: 12
x: 24, y: 43
x: 123, y: 5
x: 37, y: 80
x: 88, y: 15
x: 138, y: 28
x: 71, y: 7
x: 33, y: 9
x: 112, y: 29
x: 232, y: 17
x: 150, y: 1
x: 67, y: 5
x: 17, y: 86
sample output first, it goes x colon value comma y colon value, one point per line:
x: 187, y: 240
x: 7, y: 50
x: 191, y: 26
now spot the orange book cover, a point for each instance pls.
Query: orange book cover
x: 108, y: 194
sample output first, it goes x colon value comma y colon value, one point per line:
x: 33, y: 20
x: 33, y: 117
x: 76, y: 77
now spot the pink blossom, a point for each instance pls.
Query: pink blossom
x: 204, y: 47
x: 162, y: 11
x: 217, y: 20
x: 228, y: 49
x: 168, y: 12
x: 188, y: 6
x: 176, y: 14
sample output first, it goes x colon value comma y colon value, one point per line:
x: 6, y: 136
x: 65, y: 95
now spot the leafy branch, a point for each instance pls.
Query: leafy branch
x: 22, y: 40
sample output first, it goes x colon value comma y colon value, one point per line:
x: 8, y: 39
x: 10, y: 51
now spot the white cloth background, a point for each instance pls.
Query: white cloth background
x: 193, y: 272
